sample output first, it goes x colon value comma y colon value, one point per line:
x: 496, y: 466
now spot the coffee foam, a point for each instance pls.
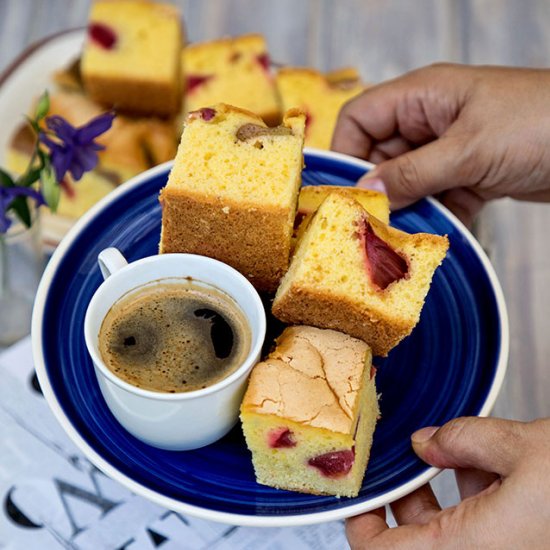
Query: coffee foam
x: 174, y: 337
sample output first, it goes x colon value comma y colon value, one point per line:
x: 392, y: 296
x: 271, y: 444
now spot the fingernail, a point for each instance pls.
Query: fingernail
x: 423, y: 435
x: 373, y: 183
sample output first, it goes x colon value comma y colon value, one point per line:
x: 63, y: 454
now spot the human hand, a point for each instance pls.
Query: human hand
x: 503, y: 475
x: 465, y: 134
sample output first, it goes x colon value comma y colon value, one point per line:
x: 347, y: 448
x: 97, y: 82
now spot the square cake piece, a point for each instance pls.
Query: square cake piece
x: 320, y: 96
x: 233, y: 190
x: 309, y: 413
x: 132, y: 57
x: 232, y: 70
x: 353, y: 273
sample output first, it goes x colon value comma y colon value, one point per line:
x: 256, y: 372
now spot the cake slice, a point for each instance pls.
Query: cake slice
x: 132, y: 56
x: 309, y: 413
x: 353, y: 273
x: 311, y: 197
x: 320, y: 96
x: 232, y: 70
x: 233, y: 190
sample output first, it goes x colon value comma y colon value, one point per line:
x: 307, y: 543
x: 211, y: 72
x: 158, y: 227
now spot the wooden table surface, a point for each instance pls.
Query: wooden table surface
x: 384, y: 38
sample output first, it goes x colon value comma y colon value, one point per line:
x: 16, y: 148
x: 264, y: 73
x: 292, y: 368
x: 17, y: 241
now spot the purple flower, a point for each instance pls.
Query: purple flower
x: 7, y: 196
x: 75, y: 150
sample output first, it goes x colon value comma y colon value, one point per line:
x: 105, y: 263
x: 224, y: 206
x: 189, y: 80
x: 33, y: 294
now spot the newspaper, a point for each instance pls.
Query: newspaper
x: 53, y: 497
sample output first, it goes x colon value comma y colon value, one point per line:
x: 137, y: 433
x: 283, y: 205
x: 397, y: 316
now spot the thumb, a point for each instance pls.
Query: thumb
x: 487, y: 444
x: 428, y: 170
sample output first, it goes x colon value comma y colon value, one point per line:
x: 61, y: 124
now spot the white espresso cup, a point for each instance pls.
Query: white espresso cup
x: 174, y: 421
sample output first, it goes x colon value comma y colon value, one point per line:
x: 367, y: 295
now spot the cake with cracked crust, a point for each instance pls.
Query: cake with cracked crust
x: 232, y: 192
x: 353, y: 273
x: 309, y: 413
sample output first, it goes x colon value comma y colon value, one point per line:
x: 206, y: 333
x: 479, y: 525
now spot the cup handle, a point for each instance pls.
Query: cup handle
x: 110, y: 260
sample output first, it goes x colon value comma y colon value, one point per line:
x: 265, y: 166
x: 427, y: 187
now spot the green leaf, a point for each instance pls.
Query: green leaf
x: 43, y: 106
x: 5, y: 179
x: 28, y: 178
x: 50, y: 188
x: 33, y: 124
x: 21, y: 208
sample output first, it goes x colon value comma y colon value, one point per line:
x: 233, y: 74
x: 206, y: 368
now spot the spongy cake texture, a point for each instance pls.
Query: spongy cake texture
x: 309, y: 412
x: 312, y: 196
x: 329, y: 283
x: 232, y: 192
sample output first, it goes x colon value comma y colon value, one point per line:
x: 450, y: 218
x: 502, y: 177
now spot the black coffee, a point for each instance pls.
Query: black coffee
x: 174, y: 337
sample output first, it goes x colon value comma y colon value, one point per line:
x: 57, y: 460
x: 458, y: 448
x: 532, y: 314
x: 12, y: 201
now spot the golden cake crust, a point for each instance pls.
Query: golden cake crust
x: 259, y: 244
x: 147, y: 98
x: 300, y: 304
x: 324, y: 365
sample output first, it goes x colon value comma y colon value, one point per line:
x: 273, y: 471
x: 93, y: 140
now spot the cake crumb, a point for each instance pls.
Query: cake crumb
x: 225, y: 209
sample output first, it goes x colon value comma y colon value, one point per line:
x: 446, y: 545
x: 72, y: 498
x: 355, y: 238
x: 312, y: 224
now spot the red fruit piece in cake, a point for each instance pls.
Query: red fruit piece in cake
x: 334, y: 463
x: 206, y: 113
x: 264, y: 60
x: 384, y: 265
x: 103, y: 35
x: 309, y: 413
x: 235, y: 71
x: 194, y: 81
x: 328, y: 284
x: 132, y: 58
x: 280, y: 438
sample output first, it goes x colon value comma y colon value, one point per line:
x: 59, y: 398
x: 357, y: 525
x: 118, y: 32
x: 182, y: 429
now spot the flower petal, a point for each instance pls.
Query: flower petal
x: 76, y: 171
x: 7, y: 194
x: 5, y: 201
x: 62, y: 129
x: 77, y: 168
x: 45, y: 139
x: 28, y: 192
x: 61, y: 159
x: 84, y: 160
x: 94, y: 128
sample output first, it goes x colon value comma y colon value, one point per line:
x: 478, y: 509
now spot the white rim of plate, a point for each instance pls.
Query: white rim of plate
x: 226, y: 517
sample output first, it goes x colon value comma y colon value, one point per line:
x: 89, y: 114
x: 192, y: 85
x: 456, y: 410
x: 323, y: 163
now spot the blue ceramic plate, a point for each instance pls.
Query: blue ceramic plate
x: 452, y: 365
